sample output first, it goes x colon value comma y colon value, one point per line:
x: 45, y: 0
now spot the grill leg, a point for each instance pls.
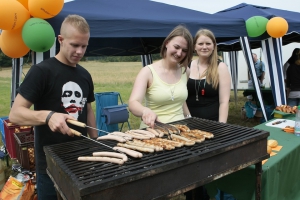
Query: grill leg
x: 258, y: 172
x: 58, y: 196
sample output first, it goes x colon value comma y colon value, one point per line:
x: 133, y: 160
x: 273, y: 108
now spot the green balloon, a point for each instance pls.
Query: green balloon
x: 38, y: 35
x: 256, y: 26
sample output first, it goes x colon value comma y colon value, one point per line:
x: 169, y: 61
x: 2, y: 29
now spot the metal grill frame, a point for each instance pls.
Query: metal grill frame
x: 186, y: 169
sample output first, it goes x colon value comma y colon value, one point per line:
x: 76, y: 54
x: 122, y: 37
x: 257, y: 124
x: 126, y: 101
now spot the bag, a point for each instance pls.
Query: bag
x: 16, y: 190
x: 115, y: 114
x: 250, y: 109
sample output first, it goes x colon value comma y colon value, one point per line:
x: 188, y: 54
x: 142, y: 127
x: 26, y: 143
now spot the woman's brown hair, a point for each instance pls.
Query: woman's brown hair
x: 185, y: 33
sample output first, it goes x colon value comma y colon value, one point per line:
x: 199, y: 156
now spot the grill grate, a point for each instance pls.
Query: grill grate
x: 90, y: 177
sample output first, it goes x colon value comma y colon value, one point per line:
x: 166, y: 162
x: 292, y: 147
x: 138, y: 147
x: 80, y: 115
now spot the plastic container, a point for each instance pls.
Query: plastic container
x: 25, y: 149
x: 9, y: 130
x: 297, y: 122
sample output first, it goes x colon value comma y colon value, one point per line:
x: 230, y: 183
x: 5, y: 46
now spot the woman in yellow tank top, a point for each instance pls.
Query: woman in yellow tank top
x: 163, y: 84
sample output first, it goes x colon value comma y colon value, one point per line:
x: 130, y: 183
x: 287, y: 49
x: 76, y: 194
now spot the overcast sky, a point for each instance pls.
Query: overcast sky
x: 213, y: 6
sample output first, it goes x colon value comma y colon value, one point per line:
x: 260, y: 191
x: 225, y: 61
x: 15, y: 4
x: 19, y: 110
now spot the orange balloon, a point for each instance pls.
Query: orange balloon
x: 13, y: 15
x: 24, y: 3
x: 12, y: 43
x: 277, y: 27
x: 45, y: 9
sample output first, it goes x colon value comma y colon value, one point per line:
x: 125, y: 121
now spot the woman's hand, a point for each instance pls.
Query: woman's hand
x: 149, y: 117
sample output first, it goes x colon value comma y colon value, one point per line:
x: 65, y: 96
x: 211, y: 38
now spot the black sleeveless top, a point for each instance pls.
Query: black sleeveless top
x: 207, y: 106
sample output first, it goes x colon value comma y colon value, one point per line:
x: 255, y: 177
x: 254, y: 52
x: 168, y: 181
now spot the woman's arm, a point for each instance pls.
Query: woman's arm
x: 224, y: 91
x: 186, y: 111
x: 142, y: 82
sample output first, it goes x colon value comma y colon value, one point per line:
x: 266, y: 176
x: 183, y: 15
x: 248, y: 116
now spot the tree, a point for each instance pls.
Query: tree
x: 5, y: 61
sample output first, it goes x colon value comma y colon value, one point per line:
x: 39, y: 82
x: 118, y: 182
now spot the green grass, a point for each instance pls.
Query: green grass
x: 116, y: 76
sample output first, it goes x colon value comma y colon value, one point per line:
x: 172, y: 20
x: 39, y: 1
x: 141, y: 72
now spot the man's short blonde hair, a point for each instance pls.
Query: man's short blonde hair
x: 75, y: 21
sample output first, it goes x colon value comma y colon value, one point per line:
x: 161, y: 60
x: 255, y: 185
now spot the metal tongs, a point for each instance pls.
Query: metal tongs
x: 168, y: 128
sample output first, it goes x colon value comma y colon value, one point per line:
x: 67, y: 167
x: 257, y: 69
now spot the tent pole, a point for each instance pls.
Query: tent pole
x: 17, y: 65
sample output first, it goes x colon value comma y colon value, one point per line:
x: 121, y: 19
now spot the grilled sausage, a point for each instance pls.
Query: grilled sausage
x: 137, y: 136
x: 144, y: 144
x: 143, y: 132
x: 129, y: 152
x: 138, y: 148
x: 112, y: 137
x: 111, y: 154
x: 153, y: 131
x: 101, y: 159
x: 119, y: 134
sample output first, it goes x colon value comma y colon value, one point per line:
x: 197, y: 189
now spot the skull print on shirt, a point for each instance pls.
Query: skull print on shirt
x: 72, y: 99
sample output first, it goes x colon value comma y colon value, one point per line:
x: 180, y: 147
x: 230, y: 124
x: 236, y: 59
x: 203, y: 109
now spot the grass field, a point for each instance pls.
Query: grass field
x: 115, y: 76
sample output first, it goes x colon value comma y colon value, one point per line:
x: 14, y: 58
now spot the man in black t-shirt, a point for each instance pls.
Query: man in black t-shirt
x: 60, y: 89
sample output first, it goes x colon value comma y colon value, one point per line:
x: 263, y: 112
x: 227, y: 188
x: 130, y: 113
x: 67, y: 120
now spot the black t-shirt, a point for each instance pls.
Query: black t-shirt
x: 52, y: 85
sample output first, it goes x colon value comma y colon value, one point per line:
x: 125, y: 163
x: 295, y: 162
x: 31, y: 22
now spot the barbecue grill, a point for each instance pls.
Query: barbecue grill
x: 158, y: 175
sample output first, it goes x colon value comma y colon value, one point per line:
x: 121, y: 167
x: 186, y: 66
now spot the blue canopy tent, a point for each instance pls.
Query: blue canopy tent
x: 136, y: 27
x: 271, y: 47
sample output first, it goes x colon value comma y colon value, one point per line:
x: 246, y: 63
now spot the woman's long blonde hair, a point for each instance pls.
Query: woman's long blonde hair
x: 212, y: 75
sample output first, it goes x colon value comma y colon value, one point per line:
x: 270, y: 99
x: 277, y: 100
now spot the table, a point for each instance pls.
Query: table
x: 281, y: 173
x: 266, y: 94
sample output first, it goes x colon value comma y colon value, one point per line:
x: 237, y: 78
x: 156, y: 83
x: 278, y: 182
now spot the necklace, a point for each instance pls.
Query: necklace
x: 197, y: 88
x: 172, y: 93
x: 172, y: 89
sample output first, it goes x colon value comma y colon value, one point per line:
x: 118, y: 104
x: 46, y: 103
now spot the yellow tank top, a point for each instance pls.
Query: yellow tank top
x: 165, y: 99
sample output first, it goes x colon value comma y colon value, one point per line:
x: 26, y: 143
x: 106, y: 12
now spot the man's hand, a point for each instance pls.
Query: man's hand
x: 57, y: 123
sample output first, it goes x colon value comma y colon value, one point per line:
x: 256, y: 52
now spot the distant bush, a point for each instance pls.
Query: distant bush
x: 5, y: 61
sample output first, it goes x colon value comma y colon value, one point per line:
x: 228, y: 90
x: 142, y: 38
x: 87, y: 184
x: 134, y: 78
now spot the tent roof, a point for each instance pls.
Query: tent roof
x: 135, y: 27
x: 246, y: 11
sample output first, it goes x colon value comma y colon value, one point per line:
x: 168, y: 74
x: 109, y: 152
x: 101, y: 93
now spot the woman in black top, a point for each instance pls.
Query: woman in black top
x: 209, y: 83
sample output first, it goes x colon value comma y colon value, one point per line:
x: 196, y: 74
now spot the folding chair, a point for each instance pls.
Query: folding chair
x: 109, y: 113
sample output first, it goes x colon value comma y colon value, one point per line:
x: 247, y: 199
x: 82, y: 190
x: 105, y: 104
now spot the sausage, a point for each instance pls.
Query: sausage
x: 138, y: 148
x: 129, y: 152
x: 180, y: 137
x: 112, y: 137
x: 153, y: 131
x: 123, y: 135
x: 161, y: 132
x: 101, y: 159
x: 111, y: 154
x: 143, y: 132
x: 198, y: 140
x: 143, y: 144
x: 171, y: 142
x: 119, y: 134
x: 137, y: 136
x: 164, y: 145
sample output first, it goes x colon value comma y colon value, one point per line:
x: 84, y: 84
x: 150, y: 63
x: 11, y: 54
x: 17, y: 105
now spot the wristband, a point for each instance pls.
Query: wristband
x: 186, y: 116
x: 49, y: 116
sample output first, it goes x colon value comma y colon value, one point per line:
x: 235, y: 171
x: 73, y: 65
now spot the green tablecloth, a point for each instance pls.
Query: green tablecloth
x: 281, y: 173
